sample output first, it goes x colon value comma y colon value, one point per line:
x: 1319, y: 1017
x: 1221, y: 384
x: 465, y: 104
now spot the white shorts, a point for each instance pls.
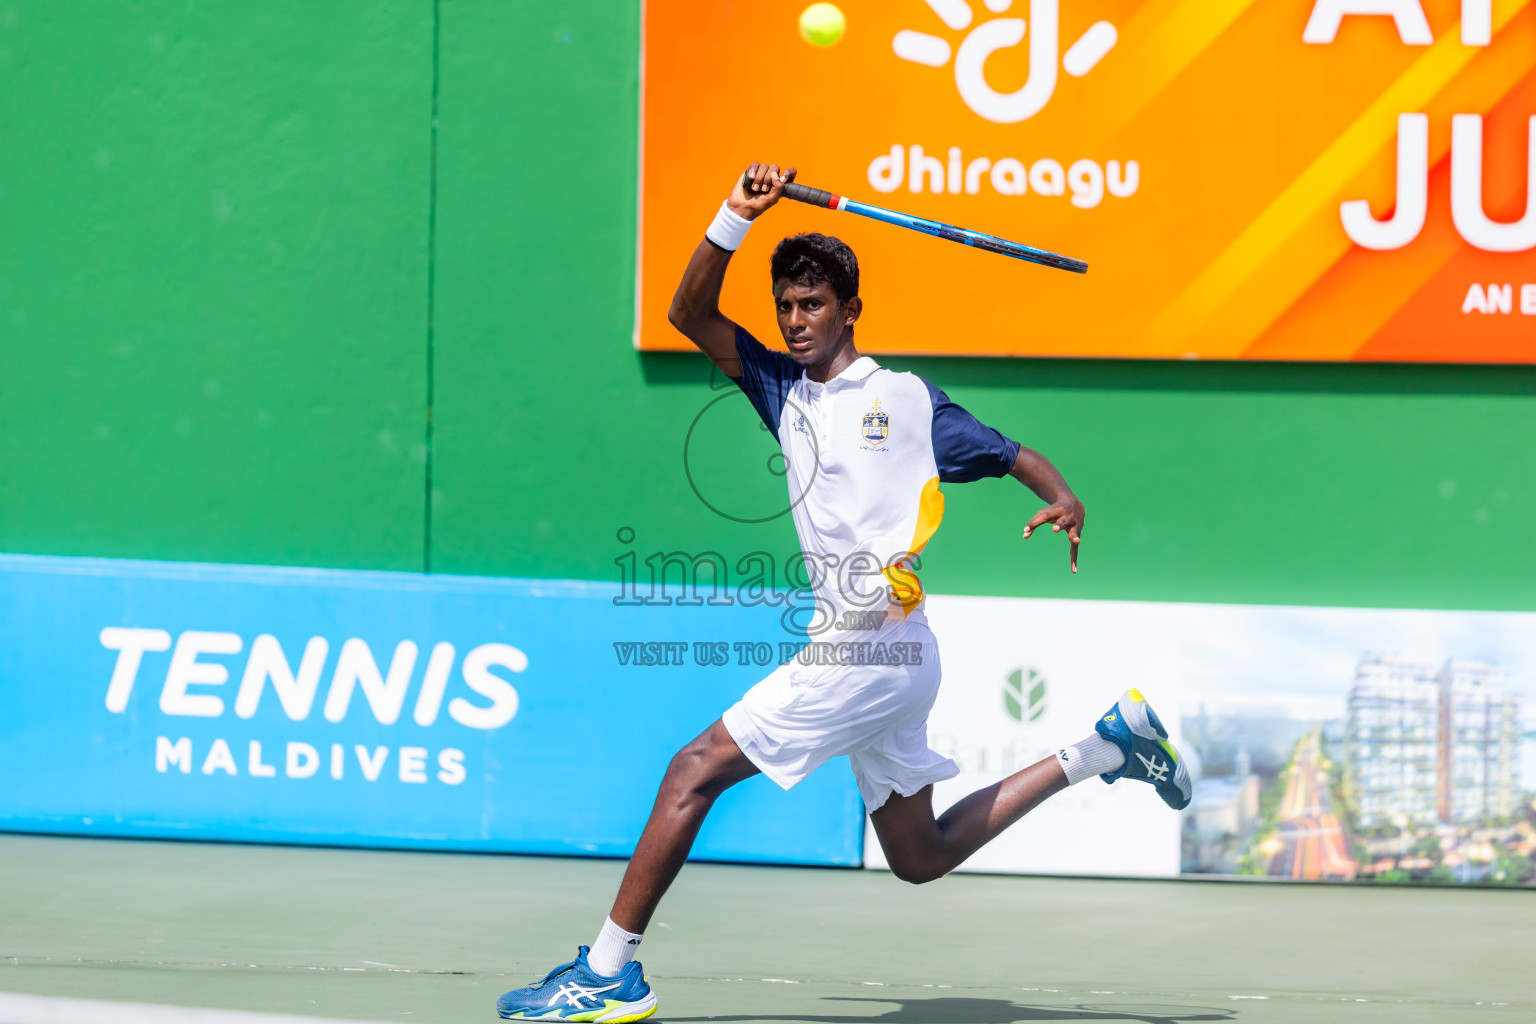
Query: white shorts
x: 803, y: 715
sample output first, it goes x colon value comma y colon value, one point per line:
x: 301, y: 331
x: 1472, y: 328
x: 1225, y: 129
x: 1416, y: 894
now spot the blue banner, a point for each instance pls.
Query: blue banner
x: 379, y: 709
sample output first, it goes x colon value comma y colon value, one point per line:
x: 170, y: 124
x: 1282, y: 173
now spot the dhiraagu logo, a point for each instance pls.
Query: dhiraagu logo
x: 982, y: 40
x: 1024, y: 695
x: 959, y: 169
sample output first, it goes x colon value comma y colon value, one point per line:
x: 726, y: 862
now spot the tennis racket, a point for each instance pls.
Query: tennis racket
x: 976, y: 239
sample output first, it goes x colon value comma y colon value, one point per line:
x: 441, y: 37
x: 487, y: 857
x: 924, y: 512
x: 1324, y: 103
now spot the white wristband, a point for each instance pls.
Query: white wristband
x: 728, y: 229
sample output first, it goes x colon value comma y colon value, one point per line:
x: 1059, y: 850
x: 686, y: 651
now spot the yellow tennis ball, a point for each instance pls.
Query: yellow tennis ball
x: 822, y: 24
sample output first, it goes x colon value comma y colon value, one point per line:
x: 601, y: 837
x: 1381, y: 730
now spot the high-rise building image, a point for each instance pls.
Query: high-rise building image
x: 1391, y: 746
x: 1428, y: 745
x: 1479, y: 744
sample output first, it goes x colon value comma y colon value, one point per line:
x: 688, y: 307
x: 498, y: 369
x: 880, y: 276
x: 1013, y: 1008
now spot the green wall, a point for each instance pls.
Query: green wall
x: 213, y: 260
x: 244, y: 285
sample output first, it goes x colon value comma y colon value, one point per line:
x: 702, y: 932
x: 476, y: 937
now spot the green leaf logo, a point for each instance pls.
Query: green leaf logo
x: 1024, y: 695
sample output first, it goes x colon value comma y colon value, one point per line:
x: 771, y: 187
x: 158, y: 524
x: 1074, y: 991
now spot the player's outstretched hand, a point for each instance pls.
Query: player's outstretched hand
x: 758, y: 189
x: 1063, y: 515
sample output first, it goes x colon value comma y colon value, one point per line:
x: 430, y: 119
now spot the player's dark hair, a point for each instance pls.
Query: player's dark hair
x: 812, y: 258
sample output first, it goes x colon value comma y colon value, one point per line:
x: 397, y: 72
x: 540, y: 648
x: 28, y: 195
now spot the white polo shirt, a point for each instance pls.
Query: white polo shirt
x: 865, y: 454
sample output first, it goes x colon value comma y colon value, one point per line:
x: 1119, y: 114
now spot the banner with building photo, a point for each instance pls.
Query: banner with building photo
x: 1327, y: 743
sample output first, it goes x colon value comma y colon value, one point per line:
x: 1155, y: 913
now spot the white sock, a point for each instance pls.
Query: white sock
x: 1089, y: 757
x: 614, y: 948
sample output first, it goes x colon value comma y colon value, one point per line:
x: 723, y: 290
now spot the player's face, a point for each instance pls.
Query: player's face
x: 812, y: 320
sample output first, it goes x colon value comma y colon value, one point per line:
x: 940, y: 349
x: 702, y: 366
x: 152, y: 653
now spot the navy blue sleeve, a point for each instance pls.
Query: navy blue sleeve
x: 965, y: 448
x: 766, y: 377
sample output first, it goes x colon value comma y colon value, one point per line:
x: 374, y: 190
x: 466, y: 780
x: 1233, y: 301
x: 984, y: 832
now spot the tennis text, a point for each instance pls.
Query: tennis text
x: 194, y: 680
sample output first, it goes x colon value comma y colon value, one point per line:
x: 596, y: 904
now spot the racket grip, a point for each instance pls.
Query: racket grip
x: 805, y: 194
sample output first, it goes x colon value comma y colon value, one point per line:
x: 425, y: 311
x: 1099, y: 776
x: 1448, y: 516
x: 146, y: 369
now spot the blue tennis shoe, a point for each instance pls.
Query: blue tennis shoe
x: 1134, y: 727
x: 574, y: 992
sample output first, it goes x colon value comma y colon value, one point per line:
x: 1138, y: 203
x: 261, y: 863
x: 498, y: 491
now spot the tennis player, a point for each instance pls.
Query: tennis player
x: 865, y: 450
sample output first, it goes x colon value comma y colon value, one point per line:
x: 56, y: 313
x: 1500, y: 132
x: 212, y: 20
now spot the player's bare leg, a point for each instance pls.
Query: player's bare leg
x: 1129, y: 741
x: 921, y: 848
x: 605, y: 983
x: 697, y: 776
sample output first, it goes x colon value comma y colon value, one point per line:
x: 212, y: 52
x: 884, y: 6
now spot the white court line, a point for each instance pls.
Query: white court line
x: 16, y: 1008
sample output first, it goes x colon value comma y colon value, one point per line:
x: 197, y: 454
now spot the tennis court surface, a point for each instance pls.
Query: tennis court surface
x: 389, y: 936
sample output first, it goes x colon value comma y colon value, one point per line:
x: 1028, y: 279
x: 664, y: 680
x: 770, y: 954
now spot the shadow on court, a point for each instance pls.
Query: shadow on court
x: 963, y: 1010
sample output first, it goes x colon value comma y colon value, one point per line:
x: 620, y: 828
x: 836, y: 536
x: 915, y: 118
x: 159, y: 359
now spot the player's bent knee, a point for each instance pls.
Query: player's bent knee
x: 687, y: 771
x: 918, y: 870
x: 693, y: 773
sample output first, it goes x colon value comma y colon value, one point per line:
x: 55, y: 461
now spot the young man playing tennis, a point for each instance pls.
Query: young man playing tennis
x: 865, y: 450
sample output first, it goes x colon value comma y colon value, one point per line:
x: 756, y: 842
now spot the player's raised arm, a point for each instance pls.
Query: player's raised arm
x: 696, y: 304
x: 1063, y: 511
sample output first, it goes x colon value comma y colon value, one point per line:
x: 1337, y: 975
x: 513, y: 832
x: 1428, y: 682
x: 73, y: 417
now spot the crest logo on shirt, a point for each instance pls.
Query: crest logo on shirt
x: 877, y: 425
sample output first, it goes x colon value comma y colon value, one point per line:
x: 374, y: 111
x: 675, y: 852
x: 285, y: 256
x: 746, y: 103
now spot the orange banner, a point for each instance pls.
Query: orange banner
x: 1295, y: 179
